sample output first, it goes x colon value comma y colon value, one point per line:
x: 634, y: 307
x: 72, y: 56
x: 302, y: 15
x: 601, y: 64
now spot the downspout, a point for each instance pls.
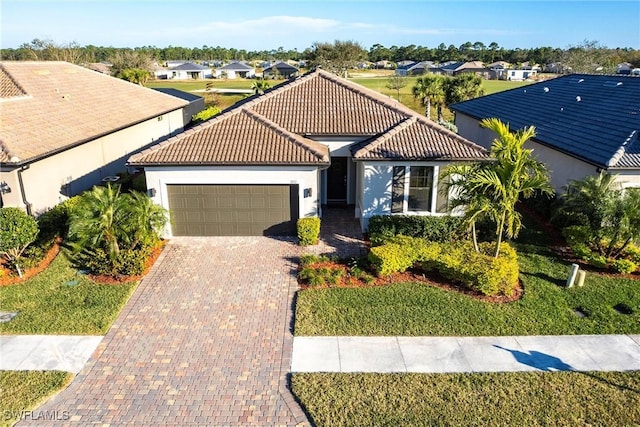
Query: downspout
x: 22, y: 192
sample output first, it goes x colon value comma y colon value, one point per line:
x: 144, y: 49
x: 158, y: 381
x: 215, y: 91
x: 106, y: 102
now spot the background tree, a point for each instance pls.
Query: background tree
x: 430, y: 89
x: 463, y: 87
x: 589, y: 57
x: 17, y: 231
x: 396, y: 82
x: 130, y: 60
x: 259, y: 86
x: 337, y: 57
x: 135, y: 75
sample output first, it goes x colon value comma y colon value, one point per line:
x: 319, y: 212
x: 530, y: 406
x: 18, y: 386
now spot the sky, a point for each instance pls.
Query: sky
x: 266, y: 25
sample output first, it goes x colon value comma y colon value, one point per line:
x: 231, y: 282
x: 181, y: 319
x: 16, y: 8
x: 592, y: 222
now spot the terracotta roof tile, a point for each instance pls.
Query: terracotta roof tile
x: 323, y: 104
x: 418, y: 139
x: 9, y: 88
x: 67, y: 104
x: 237, y: 137
x: 277, y: 127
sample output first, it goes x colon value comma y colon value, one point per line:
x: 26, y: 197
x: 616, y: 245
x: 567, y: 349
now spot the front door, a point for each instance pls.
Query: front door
x: 337, y: 181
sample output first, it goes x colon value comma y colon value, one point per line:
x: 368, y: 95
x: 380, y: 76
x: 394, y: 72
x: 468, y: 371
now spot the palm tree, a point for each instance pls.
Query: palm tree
x: 146, y: 219
x: 515, y: 174
x: 259, y: 86
x: 458, y: 179
x: 463, y: 87
x: 431, y: 90
x: 98, y: 220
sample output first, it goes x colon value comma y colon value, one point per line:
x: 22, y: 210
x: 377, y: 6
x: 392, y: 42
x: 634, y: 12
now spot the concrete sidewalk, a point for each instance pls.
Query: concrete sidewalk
x: 46, y: 352
x: 466, y: 354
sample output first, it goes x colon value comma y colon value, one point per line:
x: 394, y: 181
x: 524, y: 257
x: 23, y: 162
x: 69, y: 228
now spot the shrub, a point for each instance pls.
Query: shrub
x: 126, y: 263
x: 308, y: 230
x: 391, y: 258
x: 308, y: 259
x: 632, y: 252
x: 624, y: 266
x: 55, y: 222
x: 205, y: 114
x: 433, y: 228
x: 577, y: 234
x: 581, y: 250
x: 17, y: 231
x: 455, y: 261
x: 598, y: 261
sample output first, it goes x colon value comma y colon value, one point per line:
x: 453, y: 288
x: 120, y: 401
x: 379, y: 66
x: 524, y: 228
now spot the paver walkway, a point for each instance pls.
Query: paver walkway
x: 466, y: 354
x: 204, y: 340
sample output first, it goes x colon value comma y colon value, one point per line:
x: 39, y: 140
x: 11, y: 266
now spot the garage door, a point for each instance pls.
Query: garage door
x: 233, y: 210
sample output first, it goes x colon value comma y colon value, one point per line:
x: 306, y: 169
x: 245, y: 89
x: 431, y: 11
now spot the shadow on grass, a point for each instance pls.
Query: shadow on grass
x: 610, y: 383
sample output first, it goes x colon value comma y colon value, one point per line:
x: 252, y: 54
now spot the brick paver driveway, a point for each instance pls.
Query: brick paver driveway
x: 204, y: 340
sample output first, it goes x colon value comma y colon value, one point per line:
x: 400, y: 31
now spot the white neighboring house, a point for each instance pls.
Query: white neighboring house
x: 235, y: 70
x: 189, y: 71
x: 65, y: 128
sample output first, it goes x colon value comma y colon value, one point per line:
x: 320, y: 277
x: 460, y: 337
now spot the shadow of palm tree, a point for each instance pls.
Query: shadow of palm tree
x: 538, y: 360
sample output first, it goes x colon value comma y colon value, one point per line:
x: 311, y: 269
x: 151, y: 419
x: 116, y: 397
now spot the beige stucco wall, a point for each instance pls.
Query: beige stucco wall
x: 562, y: 167
x: 306, y: 177
x: 49, y: 181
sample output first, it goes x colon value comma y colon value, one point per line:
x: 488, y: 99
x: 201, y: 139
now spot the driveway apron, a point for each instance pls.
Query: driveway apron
x: 204, y: 340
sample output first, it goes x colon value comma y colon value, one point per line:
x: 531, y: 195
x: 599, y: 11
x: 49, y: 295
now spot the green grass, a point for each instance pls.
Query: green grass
x: 24, y: 390
x: 46, y: 305
x: 414, y: 309
x: 485, y: 399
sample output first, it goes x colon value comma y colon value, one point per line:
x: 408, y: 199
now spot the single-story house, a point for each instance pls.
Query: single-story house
x: 189, y: 71
x: 315, y: 140
x: 235, y: 70
x: 280, y: 69
x: 515, y: 74
x: 65, y: 128
x: 585, y: 123
x: 455, y: 68
x: 422, y: 68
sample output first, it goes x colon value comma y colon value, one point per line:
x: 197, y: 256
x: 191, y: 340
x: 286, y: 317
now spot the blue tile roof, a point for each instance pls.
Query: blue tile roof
x: 595, y: 118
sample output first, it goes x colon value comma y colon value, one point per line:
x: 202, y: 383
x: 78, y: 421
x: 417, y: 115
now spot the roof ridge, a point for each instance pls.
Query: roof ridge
x: 399, y: 127
x: 620, y: 152
x: 14, y: 81
x: 293, y: 137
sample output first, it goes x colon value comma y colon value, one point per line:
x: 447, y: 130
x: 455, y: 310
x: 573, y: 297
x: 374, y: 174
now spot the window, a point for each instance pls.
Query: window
x: 420, y: 188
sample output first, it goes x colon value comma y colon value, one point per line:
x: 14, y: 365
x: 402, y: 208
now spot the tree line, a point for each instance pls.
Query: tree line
x: 589, y: 51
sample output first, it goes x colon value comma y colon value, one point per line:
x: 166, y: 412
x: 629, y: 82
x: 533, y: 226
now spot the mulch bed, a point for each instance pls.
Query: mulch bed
x: 9, y: 277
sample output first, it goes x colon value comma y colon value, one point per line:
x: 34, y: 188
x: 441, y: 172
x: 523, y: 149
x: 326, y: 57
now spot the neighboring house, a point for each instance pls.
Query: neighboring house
x: 624, y: 68
x: 65, y: 128
x: 189, y: 71
x: 422, y: 68
x: 280, y: 69
x: 455, y: 68
x: 194, y: 106
x: 515, y: 74
x: 235, y: 70
x: 584, y: 124
x: 319, y: 139
x: 100, y: 67
x: 403, y: 67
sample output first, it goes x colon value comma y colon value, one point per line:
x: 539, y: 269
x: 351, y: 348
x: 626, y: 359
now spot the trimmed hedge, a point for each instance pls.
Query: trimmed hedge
x: 308, y: 230
x: 455, y: 261
x: 433, y: 228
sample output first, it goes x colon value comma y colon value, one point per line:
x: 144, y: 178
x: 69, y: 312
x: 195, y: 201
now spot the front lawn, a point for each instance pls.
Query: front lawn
x: 24, y: 390
x: 417, y: 309
x: 484, y: 399
x: 61, y: 301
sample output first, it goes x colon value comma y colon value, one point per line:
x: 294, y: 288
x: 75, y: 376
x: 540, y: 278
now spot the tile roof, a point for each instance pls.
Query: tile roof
x: 418, y: 139
x: 595, y: 118
x: 64, y: 105
x: 278, y: 128
x: 237, y: 137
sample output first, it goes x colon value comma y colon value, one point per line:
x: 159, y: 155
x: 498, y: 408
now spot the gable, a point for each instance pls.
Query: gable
x: 595, y: 118
x: 278, y: 128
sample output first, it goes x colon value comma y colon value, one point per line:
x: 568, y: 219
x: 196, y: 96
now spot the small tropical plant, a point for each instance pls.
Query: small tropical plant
x: 259, y: 86
x: 430, y: 89
x: 109, y: 225
x: 17, y: 231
